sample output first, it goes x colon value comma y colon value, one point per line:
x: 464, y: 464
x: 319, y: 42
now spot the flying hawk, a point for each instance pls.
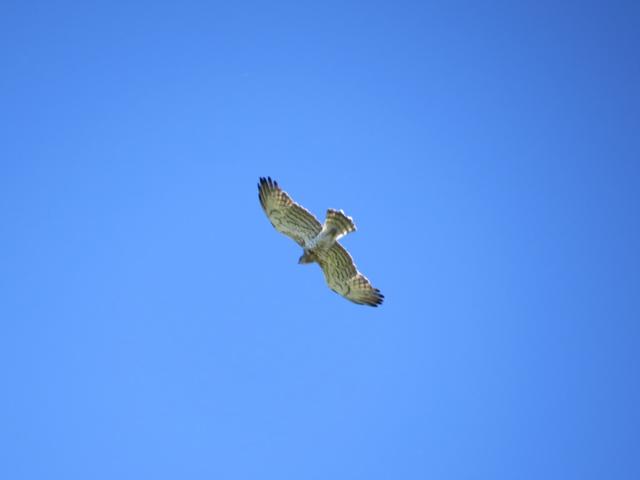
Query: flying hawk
x: 320, y: 242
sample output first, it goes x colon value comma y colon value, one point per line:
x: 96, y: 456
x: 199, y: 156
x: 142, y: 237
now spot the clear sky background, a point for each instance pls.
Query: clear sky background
x: 153, y: 323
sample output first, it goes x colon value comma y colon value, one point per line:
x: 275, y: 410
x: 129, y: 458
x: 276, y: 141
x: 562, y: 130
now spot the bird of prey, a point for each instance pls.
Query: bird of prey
x: 320, y: 242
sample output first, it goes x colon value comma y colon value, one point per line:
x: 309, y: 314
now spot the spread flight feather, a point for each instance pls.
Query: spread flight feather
x: 320, y: 242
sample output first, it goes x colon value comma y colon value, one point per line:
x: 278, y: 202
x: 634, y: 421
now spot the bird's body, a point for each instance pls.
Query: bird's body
x: 319, y: 242
x: 335, y: 226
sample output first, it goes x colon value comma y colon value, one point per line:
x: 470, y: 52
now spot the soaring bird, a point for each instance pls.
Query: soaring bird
x: 319, y: 242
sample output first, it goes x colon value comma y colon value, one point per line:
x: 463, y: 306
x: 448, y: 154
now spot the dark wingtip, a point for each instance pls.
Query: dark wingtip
x: 374, y: 302
x: 266, y: 186
x: 267, y: 182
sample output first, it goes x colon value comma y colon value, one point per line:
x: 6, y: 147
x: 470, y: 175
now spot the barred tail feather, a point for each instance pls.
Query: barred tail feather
x: 336, y: 219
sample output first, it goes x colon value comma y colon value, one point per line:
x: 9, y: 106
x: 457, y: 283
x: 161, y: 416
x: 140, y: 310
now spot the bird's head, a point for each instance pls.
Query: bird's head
x: 307, y: 257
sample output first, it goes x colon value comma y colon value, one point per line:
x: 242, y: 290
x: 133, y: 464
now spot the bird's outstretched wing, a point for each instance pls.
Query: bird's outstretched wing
x: 343, y: 277
x: 286, y: 215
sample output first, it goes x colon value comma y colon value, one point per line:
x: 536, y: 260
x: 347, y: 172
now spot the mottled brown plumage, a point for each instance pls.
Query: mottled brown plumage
x: 320, y: 242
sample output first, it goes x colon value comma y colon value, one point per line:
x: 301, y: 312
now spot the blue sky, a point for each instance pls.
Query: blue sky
x: 154, y: 325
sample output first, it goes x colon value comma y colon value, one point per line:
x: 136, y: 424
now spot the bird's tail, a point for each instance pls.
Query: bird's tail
x: 338, y: 221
